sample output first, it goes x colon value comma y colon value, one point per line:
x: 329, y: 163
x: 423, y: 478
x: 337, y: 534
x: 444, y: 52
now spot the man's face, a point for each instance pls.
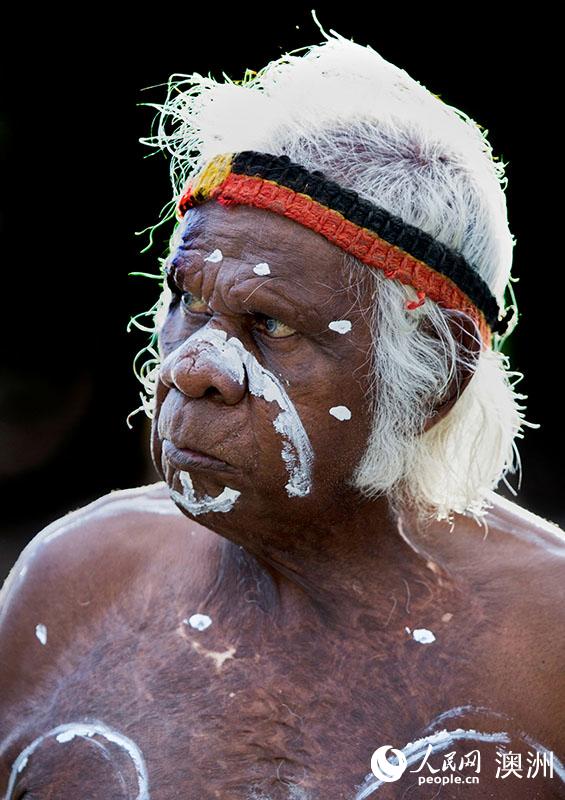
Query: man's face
x: 265, y: 356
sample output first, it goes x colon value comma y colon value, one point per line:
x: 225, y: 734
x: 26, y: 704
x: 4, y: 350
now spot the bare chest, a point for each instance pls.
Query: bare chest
x: 253, y: 711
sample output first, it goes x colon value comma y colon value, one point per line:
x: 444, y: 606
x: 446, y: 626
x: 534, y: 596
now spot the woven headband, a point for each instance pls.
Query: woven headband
x: 372, y: 234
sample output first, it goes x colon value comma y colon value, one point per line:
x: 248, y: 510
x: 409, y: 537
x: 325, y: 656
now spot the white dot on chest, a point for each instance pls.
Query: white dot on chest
x: 199, y: 621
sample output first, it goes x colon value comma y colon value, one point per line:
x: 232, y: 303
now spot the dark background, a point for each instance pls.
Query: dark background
x: 76, y: 186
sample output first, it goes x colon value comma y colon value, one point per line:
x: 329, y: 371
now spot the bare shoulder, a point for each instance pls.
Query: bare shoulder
x: 528, y: 545
x: 87, y: 590
x: 521, y: 566
x: 522, y: 584
x: 539, y: 533
x: 87, y: 559
x: 126, y: 523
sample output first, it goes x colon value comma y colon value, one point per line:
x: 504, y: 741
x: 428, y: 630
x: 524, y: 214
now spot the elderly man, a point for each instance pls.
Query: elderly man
x: 324, y: 597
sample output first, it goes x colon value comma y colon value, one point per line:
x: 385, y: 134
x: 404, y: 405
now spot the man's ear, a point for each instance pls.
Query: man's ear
x: 468, y: 338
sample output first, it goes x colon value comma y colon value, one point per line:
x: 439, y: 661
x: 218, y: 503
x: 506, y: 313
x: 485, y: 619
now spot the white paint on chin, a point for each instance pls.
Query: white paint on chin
x: 207, y: 504
x: 297, y: 451
x: 262, y: 269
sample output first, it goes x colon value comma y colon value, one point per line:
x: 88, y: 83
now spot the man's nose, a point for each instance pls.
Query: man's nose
x: 197, y: 368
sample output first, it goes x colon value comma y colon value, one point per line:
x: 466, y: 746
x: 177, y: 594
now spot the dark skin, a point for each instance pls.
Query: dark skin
x: 306, y: 667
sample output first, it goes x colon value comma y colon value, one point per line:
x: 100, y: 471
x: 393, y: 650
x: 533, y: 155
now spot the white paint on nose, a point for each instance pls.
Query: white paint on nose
x: 297, y: 451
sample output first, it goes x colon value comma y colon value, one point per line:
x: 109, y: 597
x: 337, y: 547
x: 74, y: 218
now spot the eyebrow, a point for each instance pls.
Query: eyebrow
x: 261, y: 298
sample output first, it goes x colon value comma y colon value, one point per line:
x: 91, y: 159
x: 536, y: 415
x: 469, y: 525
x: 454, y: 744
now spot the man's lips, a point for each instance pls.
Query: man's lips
x: 185, y: 459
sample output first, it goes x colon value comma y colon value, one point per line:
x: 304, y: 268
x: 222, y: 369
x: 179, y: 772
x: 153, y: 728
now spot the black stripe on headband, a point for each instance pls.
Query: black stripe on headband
x: 390, y: 227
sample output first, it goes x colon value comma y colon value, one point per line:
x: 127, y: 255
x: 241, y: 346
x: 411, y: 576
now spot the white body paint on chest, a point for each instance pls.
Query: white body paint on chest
x: 440, y: 741
x: 415, y: 751
x: 199, y: 621
x: 422, y: 635
x: 41, y: 633
x: 297, y: 451
x: 66, y: 732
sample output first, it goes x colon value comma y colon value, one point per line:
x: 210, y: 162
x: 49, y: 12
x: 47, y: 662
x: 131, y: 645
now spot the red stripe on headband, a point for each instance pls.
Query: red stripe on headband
x: 360, y: 242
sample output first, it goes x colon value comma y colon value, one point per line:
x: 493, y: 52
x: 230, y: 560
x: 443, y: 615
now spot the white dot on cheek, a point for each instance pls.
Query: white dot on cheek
x: 214, y: 257
x: 262, y: 269
x: 340, y: 325
x: 340, y: 412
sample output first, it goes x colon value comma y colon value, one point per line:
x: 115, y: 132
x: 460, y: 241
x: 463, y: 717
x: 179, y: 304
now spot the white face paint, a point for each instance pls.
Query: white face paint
x: 340, y: 325
x: 205, y: 505
x: 340, y: 412
x: 67, y: 732
x: 262, y: 269
x: 41, y: 633
x: 214, y: 257
x: 199, y: 621
x: 297, y: 451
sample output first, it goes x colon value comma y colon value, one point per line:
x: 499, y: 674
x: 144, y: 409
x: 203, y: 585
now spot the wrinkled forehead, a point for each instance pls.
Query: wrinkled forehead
x: 243, y: 238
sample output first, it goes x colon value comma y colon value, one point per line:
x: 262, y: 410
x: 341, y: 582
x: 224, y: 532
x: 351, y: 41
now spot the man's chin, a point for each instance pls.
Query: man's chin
x: 200, y: 494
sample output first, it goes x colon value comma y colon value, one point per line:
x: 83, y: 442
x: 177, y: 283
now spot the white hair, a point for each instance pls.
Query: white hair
x: 343, y: 109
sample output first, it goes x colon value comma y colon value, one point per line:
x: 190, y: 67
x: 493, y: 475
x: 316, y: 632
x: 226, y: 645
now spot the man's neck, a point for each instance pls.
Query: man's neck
x: 353, y: 558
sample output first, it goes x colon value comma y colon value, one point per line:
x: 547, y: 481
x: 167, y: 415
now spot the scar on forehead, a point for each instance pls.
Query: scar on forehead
x: 340, y: 412
x: 215, y: 256
x: 262, y: 269
x: 340, y: 325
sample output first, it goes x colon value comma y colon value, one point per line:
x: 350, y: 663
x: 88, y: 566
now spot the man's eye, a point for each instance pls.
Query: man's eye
x: 190, y: 302
x: 274, y: 327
